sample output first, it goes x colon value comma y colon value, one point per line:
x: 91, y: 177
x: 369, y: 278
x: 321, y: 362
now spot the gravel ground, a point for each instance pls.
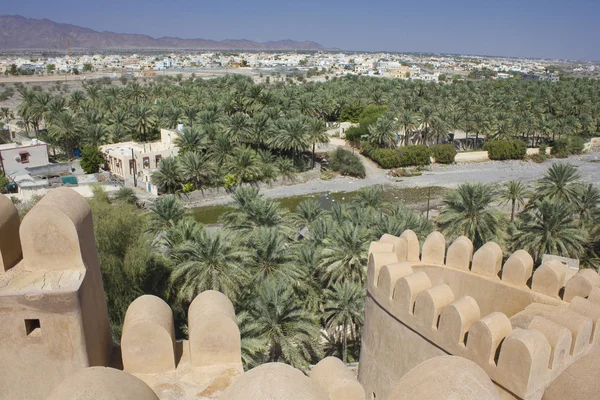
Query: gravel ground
x: 449, y: 176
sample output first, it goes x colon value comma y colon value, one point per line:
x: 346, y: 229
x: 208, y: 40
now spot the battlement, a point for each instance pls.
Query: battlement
x: 57, y: 335
x: 54, y: 316
x: 523, y: 328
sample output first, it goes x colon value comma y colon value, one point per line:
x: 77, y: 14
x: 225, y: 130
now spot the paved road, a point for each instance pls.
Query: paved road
x: 448, y: 176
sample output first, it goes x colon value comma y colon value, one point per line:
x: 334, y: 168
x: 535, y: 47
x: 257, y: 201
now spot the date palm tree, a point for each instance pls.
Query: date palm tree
x: 190, y: 139
x: 316, y: 134
x: 270, y: 257
x: 211, y: 262
x: 408, y: 121
x: 197, y: 168
x: 468, y: 211
x: 307, y: 212
x: 292, y: 135
x: 383, y: 132
x: 344, y: 256
x: 291, y: 334
x: 166, y: 212
x: 143, y: 120
x: 343, y: 312
x: 561, y: 182
x: 549, y: 228
x: 65, y: 130
x: 167, y: 178
x: 243, y: 164
x: 514, y: 192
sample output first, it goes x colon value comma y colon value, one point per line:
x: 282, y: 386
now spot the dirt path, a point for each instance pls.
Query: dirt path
x: 449, y: 176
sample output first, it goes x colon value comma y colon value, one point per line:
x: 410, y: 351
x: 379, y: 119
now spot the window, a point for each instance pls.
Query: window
x: 24, y: 157
x: 33, y: 328
x: 146, y: 162
x: 157, y: 159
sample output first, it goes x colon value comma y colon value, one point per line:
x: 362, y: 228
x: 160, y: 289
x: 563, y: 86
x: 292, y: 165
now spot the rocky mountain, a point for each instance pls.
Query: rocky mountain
x: 17, y: 32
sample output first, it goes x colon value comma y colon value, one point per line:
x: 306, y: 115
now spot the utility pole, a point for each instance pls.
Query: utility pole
x: 428, y: 198
x: 134, y: 172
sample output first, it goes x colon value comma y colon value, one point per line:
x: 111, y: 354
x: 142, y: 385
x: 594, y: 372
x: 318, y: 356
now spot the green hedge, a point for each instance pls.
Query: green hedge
x: 414, y: 155
x: 347, y: 163
x: 403, y: 157
x: 505, y: 150
x: 443, y: 153
x: 565, y: 147
x: 386, y: 158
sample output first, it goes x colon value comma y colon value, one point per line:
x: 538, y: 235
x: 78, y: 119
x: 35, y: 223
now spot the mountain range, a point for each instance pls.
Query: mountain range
x: 21, y: 33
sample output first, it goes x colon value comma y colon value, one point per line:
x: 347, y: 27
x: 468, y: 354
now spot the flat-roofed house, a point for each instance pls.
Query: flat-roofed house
x: 134, y: 162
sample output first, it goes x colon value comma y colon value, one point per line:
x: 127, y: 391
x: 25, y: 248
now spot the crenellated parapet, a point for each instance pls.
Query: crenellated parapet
x: 523, y: 328
x: 148, y: 343
x: 52, y: 304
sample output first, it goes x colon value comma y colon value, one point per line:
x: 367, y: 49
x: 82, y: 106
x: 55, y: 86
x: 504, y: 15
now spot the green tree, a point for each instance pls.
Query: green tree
x: 343, y: 312
x: 382, y: 133
x: 167, y: 211
x: 91, y: 159
x: 197, y: 168
x: 128, y: 262
x: 168, y: 176
x: 514, y: 192
x: 549, y: 228
x: 277, y: 318
x: 468, y: 211
x: 316, y: 134
x: 208, y: 262
x: 344, y: 255
x: 560, y: 182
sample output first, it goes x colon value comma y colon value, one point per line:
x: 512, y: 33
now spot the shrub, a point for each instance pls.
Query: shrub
x: 347, y: 163
x: 91, y: 160
x: 538, y: 158
x: 576, y: 145
x: 414, y: 155
x: 355, y: 133
x: 565, y: 147
x: 386, y: 158
x: 443, y: 153
x: 505, y: 150
x: 543, y: 149
x: 3, y: 182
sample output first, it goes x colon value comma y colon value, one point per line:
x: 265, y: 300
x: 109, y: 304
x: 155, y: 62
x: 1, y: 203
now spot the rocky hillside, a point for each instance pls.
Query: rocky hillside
x: 17, y: 32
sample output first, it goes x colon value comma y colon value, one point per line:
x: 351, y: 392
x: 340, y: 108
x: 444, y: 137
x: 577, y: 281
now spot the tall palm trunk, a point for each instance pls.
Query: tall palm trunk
x: 344, y: 345
x: 512, y: 214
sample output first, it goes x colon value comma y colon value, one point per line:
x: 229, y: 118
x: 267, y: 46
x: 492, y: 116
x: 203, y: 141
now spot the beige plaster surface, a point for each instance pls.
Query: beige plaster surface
x: 99, y: 383
x: 445, y: 377
x: 189, y: 382
x: 274, y: 381
x: 10, y: 246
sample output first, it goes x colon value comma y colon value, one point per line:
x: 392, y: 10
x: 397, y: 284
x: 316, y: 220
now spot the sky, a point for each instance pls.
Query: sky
x: 526, y: 28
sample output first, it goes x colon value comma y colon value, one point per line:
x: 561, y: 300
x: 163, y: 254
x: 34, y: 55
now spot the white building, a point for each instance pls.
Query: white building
x: 33, y: 153
x: 134, y: 162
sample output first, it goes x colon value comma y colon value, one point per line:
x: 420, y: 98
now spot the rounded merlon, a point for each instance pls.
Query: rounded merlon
x: 100, y: 383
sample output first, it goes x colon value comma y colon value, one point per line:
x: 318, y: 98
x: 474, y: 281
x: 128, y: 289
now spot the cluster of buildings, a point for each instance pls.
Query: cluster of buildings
x: 31, y: 172
x: 407, y: 66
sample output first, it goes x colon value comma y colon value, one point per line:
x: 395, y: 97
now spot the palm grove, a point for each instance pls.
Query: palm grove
x: 299, y: 293
x: 299, y: 297
x: 239, y: 132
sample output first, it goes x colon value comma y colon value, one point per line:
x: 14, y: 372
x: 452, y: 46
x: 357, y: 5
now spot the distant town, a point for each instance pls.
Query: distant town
x: 307, y: 65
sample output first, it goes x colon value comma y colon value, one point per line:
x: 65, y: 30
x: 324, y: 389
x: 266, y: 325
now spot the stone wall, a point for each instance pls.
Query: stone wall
x: 522, y: 328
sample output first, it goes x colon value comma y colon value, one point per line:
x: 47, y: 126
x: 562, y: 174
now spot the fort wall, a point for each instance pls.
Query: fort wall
x: 522, y: 328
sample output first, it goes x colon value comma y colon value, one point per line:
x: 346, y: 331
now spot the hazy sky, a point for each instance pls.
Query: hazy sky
x: 526, y: 28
